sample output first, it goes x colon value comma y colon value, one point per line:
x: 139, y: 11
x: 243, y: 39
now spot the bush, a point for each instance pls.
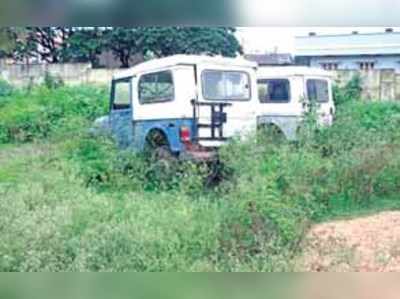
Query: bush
x: 360, y: 154
x: 5, y: 89
x: 52, y: 81
x: 262, y: 217
x: 94, y: 207
x: 43, y: 112
x: 353, y: 164
x: 79, y: 229
x: 104, y: 166
x: 351, y: 91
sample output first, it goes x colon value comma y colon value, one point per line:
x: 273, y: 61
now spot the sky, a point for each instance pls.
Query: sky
x: 318, y: 12
x: 282, y: 39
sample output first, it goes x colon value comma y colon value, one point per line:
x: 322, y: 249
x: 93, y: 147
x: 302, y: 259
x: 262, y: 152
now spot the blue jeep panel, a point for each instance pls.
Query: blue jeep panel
x: 121, y: 126
x: 170, y: 127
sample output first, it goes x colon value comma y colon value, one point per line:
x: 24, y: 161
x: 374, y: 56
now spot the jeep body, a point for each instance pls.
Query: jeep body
x: 285, y: 94
x: 192, y: 104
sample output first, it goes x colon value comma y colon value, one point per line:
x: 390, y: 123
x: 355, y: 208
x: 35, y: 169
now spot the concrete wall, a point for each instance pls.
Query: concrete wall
x: 73, y: 74
x: 377, y: 84
x: 398, y: 87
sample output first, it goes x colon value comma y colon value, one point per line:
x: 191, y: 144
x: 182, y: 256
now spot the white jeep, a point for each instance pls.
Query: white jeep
x: 285, y: 94
x: 187, y: 105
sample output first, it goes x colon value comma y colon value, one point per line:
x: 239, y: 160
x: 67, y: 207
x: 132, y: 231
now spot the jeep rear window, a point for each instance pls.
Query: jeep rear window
x: 318, y: 90
x: 226, y: 85
x: 274, y: 90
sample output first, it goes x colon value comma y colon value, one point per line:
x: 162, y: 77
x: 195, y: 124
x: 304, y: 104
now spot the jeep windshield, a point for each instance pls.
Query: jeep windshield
x: 226, y: 85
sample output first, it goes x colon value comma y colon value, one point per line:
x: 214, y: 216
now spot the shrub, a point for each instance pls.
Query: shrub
x: 52, y: 81
x: 351, y: 91
x: 43, y: 112
x: 261, y: 217
x: 94, y: 207
x: 360, y: 152
x: 103, y: 165
x: 5, y: 89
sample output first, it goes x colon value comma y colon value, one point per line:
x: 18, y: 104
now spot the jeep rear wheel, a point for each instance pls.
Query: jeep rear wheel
x: 157, y: 149
x: 154, y: 140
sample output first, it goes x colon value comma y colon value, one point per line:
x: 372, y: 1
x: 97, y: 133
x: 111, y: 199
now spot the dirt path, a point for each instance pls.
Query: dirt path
x: 364, y: 244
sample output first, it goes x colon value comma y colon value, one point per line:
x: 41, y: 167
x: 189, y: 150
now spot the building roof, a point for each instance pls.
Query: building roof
x: 285, y: 71
x: 270, y: 59
x: 385, y: 43
x: 156, y: 64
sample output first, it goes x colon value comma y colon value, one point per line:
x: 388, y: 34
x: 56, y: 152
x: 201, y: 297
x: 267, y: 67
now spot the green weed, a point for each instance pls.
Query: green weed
x: 71, y: 201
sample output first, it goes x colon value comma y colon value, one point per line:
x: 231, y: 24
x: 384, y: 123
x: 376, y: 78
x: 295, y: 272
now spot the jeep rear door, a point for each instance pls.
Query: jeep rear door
x: 319, y: 92
x: 233, y: 90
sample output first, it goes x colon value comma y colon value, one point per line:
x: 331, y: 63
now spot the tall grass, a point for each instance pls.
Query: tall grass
x: 26, y: 115
x: 73, y: 202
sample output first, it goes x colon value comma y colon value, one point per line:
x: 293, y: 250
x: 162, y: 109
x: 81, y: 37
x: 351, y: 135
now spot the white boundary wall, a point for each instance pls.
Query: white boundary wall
x: 72, y: 74
x: 377, y: 84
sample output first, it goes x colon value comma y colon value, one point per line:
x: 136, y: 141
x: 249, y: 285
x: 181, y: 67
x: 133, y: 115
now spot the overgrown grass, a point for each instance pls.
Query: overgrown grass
x: 27, y: 115
x: 73, y: 202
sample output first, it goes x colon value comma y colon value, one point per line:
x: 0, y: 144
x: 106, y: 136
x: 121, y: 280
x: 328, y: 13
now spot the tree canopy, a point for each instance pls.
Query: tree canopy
x: 7, y: 41
x: 85, y: 44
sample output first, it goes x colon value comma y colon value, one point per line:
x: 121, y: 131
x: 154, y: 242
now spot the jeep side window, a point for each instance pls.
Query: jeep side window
x: 318, y: 90
x: 156, y: 87
x: 274, y: 90
x: 121, y: 95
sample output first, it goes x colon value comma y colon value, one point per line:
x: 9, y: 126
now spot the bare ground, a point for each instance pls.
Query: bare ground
x: 368, y: 244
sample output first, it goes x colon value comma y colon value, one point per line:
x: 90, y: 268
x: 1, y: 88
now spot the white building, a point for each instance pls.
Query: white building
x: 354, y: 51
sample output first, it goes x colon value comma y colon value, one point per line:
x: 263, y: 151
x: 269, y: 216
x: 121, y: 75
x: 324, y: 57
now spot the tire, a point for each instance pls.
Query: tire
x: 155, y: 139
x: 162, y: 161
x: 157, y: 146
x: 215, y: 175
x: 162, y: 152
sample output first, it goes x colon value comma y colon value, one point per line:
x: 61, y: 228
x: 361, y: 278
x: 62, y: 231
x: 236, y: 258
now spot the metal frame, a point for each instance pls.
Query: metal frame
x: 218, y: 119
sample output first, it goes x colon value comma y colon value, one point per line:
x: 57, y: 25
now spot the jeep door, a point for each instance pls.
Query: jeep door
x: 121, y: 111
x: 280, y: 96
x: 319, y: 92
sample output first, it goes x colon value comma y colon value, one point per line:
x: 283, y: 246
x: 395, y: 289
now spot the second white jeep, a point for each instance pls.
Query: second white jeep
x: 285, y: 94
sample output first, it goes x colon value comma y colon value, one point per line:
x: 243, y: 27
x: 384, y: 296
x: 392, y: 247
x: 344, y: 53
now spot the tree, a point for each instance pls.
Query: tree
x: 45, y: 43
x: 165, y: 41
x: 80, y: 44
x: 8, y: 40
x: 85, y: 45
x: 5, y: 41
x: 125, y: 43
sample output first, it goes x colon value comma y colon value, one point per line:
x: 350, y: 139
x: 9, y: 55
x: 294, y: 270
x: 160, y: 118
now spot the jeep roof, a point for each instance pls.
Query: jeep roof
x: 170, y: 61
x: 285, y: 71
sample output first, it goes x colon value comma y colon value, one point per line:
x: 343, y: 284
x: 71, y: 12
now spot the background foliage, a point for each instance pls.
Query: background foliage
x: 351, y: 91
x: 85, y: 44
